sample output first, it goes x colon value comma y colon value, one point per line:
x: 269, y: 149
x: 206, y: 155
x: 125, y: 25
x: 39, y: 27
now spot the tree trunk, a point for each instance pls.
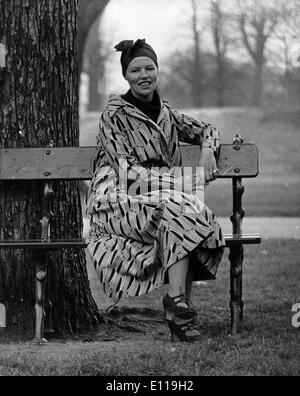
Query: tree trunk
x: 95, y: 68
x: 89, y: 12
x: 220, y: 42
x: 258, y: 84
x: 221, y: 84
x: 196, y: 72
x: 38, y: 107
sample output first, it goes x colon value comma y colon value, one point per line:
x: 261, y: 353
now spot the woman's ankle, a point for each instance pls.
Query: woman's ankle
x: 176, y: 291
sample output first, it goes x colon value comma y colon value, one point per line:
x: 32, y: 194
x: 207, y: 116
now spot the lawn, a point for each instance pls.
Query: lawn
x: 276, y: 192
x: 136, y: 341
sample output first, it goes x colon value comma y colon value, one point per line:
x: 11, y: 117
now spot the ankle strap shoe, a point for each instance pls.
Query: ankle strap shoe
x: 184, y: 332
x: 173, y: 309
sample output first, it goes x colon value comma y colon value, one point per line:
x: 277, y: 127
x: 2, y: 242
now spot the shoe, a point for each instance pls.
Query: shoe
x: 172, y: 309
x: 184, y: 332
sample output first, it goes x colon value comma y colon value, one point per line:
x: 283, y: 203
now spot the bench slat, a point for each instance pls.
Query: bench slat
x: 75, y: 163
x: 40, y: 244
x: 71, y: 163
x: 231, y: 240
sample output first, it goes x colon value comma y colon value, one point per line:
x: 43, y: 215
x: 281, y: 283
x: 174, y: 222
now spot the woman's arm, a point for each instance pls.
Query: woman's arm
x: 193, y: 131
x: 203, y: 134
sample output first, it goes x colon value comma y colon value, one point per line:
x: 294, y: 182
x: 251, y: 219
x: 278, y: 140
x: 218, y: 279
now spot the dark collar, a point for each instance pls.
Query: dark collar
x: 151, y: 109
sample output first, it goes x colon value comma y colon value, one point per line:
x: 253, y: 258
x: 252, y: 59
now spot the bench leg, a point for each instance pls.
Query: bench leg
x: 48, y: 328
x: 236, y: 287
x: 40, y: 286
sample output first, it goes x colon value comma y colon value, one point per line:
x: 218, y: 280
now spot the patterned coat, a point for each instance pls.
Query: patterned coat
x: 135, y: 238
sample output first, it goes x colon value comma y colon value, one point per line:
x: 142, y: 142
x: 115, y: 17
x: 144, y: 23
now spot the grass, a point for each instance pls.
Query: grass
x: 276, y: 192
x: 137, y: 342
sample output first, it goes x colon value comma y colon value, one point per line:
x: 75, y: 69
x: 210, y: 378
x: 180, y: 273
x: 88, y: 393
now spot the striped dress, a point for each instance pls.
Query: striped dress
x: 138, y: 233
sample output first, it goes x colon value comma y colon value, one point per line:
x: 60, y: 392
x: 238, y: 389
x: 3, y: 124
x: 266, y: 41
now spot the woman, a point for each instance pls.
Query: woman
x: 144, y: 237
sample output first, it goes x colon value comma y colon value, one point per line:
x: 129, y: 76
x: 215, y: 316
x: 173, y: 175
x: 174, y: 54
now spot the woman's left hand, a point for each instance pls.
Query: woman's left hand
x: 208, y: 162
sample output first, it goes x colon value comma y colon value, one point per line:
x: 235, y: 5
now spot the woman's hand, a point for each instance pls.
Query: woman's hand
x: 208, y: 162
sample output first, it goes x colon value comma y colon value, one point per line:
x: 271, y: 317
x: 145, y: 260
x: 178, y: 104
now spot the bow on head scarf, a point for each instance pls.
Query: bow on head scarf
x: 131, y: 50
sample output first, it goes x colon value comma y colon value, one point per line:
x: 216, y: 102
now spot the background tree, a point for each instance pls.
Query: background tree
x: 184, y: 77
x: 284, y: 54
x: 221, y: 79
x: 257, y: 21
x: 175, y: 81
x: 38, y: 107
x: 89, y: 12
x: 197, y: 85
x: 97, y: 56
x: 94, y: 66
x: 221, y: 41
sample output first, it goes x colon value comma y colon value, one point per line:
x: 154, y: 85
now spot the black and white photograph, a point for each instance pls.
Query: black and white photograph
x: 149, y: 191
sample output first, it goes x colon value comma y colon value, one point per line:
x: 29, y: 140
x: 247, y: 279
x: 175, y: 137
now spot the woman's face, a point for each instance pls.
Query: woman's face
x: 142, y: 76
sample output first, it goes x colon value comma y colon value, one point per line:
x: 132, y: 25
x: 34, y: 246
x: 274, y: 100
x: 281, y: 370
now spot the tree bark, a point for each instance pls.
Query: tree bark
x: 39, y: 107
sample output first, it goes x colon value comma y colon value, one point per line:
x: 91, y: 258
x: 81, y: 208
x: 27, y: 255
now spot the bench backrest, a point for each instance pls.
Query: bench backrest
x: 76, y: 163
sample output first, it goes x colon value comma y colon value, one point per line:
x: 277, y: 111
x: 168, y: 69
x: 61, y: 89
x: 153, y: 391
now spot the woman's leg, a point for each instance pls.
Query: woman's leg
x: 178, y: 278
x: 181, y: 277
x: 189, y: 280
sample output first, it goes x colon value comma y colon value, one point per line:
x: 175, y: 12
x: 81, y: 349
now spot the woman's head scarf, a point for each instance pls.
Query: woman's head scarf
x: 131, y: 50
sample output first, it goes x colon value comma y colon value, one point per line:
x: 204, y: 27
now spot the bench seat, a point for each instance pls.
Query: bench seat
x: 231, y: 240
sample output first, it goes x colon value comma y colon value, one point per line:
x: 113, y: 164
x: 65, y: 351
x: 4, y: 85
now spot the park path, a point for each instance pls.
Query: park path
x: 267, y: 227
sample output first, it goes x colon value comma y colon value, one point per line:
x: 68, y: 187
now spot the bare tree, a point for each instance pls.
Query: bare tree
x: 257, y: 21
x: 197, y: 85
x: 98, y: 51
x: 187, y: 63
x: 38, y: 107
x: 89, y: 12
x: 221, y: 41
x: 176, y: 79
x: 286, y: 54
x: 94, y: 67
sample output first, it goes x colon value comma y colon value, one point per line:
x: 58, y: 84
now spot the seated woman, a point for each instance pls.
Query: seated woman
x: 142, y: 238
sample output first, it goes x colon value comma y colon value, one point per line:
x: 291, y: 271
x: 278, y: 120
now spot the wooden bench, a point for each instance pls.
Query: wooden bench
x: 236, y: 161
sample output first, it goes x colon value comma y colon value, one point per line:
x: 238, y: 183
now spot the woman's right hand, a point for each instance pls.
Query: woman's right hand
x: 208, y: 162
